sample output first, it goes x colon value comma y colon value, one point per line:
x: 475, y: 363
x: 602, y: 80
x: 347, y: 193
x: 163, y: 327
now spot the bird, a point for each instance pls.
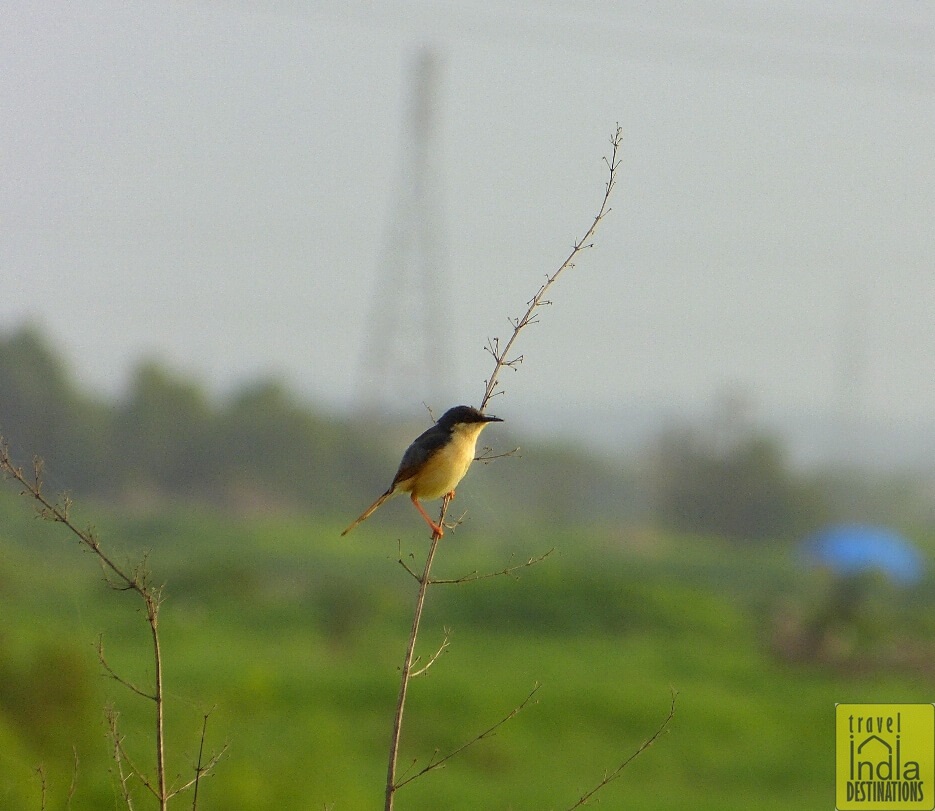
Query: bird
x: 435, y: 462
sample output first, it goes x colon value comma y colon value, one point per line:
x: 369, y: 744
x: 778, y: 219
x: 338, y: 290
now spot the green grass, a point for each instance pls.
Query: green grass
x: 292, y: 637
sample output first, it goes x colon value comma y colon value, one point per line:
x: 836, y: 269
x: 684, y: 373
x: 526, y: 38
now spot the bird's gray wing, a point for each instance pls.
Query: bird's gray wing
x: 421, y: 449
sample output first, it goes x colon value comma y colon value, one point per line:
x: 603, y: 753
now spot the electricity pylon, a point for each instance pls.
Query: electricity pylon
x: 406, y: 347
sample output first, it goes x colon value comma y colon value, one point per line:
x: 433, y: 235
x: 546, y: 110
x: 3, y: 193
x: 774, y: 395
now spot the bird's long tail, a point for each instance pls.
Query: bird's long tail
x: 369, y: 511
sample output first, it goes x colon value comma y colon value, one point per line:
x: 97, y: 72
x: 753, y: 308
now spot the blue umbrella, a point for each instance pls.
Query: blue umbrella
x: 850, y: 549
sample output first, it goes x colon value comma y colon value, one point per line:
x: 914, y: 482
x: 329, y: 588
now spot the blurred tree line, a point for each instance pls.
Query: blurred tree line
x: 742, y: 489
x: 263, y: 449
x: 167, y: 439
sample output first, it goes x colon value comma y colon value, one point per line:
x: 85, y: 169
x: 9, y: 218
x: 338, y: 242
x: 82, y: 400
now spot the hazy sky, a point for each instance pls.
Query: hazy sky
x: 214, y: 184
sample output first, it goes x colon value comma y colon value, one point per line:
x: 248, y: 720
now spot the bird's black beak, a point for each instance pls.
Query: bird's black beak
x: 491, y: 418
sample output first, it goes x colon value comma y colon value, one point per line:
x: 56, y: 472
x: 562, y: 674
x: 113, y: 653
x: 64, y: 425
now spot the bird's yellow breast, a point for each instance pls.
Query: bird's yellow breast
x: 446, y: 467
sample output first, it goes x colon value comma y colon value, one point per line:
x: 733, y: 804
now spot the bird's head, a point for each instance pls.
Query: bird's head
x: 464, y: 415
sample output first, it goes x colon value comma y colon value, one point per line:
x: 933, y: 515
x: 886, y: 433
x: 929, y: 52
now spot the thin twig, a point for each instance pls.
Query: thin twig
x: 609, y: 777
x: 487, y: 455
x: 507, y: 572
x: 409, y: 569
x: 487, y: 733
x: 473, y: 576
x: 202, y: 769
x: 501, y: 356
x: 74, y: 779
x: 434, y: 658
x: 198, y: 769
x: 501, y: 353
x: 58, y: 512
x: 40, y: 770
x: 116, y: 740
x: 116, y: 676
x: 405, y: 673
x: 152, y: 612
x: 135, y: 770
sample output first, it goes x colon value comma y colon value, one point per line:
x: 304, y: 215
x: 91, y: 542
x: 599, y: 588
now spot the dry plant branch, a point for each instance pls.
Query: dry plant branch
x: 134, y: 580
x: 434, y: 657
x: 609, y: 777
x: 506, y: 572
x: 201, y: 767
x: 471, y: 577
x: 487, y: 733
x: 119, y: 578
x: 40, y: 770
x: 406, y: 675
x: 198, y: 768
x: 74, y: 779
x: 502, y: 355
x: 501, y: 352
x: 487, y: 455
x: 121, y: 756
x: 116, y: 676
x: 116, y: 740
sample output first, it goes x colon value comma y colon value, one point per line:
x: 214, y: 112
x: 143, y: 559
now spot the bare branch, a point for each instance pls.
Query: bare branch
x: 487, y: 733
x: 117, y: 577
x: 435, y: 656
x: 115, y: 676
x: 74, y: 780
x: 122, y: 777
x: 502, y: 355
x: 135, y: 771
x: 609, y: 777
x: 487, y: 455
x: 202, y: 769
x: 405, y: 671
x: 508, y: 571
x: 408, y: 569
x: 40, y: 770
x: 57, y: 512
x: 539, y: 300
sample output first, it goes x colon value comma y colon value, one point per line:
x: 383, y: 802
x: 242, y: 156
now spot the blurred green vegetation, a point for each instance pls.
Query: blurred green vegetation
x: 675, y: 570
x: 291, y: 637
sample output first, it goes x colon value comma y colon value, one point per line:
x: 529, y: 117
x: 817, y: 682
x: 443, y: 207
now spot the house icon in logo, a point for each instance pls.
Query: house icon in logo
x: 860, y: 749
x: 874, y: 764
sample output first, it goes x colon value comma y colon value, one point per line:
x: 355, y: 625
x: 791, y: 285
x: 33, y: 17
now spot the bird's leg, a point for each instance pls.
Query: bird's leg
x: 450, y: 495
x: 435, y: 527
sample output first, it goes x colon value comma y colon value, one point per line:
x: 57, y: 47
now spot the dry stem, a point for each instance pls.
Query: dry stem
x: 120, y: 579
x: 40, y: 770
x: 437, y: 763
x: 406, y: 675
x: 502, y: 358
x: 57, y: 512
x: 502, y: 354
x: 74, y: 779
x: 609, y: 777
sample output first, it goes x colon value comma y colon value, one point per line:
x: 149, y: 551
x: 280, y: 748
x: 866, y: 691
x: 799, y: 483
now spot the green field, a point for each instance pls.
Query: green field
x: 291, y: 637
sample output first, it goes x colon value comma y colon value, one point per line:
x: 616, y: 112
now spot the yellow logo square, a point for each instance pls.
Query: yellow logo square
x: 884, y: 757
